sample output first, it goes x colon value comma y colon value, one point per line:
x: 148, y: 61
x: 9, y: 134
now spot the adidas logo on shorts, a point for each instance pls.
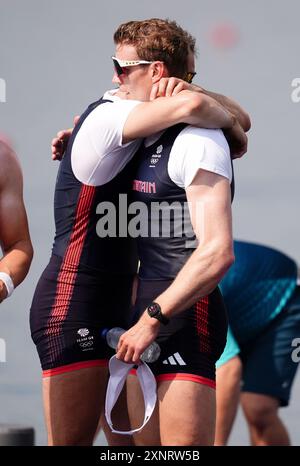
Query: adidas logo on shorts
x: 175, y: 360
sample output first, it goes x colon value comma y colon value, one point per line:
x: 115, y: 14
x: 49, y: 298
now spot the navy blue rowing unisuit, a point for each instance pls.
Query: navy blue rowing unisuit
x: 194, y: 339
x: 87, y: 284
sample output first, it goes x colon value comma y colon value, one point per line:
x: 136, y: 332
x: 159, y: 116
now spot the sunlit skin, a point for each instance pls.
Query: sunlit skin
x: 137, y: 82
x: 144, y: 82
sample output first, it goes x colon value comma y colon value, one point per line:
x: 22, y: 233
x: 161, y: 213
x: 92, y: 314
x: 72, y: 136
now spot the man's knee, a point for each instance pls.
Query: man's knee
x: 260, y: 410
x: 231, y: 370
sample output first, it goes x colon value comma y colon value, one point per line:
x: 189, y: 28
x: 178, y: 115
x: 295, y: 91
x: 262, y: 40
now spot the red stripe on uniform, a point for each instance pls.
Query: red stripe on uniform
x: 74, y: 367
x: 188, y: 377
x: 69, y: 266
x: 178, y: 376
x: 201, y: 308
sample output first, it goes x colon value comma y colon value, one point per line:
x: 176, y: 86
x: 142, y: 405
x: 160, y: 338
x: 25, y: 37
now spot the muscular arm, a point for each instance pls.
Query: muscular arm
x: 241, y: 115
x: 235, y: 134
x: 147, y: 118
x: 210, y: 200
x: 14, y: 234
x: 172, y: 86
x: 243, y: 122
x: 187, y: 106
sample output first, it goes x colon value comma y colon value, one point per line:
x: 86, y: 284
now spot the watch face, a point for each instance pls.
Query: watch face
x: 153, y: 309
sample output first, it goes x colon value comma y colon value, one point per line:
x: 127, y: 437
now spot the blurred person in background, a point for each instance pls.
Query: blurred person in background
x: 14, y: 234
x: 257, y: 369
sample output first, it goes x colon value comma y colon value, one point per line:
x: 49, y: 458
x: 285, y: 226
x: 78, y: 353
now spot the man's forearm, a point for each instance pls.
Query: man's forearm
x: 232, y: 106
x: 209, y: 113
x: 189, y: 107
x: 17, y: 260
x: 210, y: 210
x: 199, y: 277
x: 173, y: 86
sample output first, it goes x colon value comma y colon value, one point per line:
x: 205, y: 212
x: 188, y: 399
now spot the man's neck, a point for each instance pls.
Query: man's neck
x: 122, y: 94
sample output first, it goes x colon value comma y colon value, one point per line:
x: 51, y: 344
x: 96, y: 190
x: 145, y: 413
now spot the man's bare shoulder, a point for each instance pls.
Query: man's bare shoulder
x: 10, y: 166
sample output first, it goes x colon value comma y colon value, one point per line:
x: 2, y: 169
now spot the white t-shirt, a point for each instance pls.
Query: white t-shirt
x: 98, y: 154
x: 194, y: 149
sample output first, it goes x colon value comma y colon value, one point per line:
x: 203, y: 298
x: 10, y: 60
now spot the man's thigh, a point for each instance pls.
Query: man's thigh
x: 120, y: 420
x: 190, y: 345
x: 150, y: 434
x: 184, y: 415
x: 73, y: 402
x: 187, y: 413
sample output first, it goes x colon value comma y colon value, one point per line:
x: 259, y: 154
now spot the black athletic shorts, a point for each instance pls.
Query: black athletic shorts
x: 270, y: 360
x: 192, y: 341
x: 70, y: 309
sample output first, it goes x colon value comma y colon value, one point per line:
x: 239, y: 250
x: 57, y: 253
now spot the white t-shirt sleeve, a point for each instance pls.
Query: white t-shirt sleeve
x: 196, y: 148
x: 98, y: 153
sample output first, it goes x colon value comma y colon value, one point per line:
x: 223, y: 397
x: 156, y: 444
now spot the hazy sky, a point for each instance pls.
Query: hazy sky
x: 55, y: 60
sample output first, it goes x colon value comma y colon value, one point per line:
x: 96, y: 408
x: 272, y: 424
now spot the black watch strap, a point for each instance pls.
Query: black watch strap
x: 154, y: 310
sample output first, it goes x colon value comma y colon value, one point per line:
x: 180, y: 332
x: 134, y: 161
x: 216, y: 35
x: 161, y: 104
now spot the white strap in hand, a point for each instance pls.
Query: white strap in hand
x: 9, y: 284
x: 118, y: 374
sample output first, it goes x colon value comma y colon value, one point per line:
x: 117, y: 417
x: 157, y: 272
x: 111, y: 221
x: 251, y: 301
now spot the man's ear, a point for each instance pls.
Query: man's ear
x: 159, y: 71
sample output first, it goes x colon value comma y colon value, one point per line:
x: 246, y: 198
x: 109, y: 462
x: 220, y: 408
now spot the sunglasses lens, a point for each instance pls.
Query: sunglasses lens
x: 118, y: 68
x: 189, y: 77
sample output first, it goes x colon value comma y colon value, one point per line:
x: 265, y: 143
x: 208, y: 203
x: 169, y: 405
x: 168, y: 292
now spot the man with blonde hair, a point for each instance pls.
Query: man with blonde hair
x: 99, y: 165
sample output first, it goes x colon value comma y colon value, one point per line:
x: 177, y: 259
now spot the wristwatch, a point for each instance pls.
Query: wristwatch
x: 154, y: 310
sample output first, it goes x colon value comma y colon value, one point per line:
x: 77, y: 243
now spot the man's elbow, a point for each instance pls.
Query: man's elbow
x: 30, y: 253
x: 225, y: 261
x: 245, y: 122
